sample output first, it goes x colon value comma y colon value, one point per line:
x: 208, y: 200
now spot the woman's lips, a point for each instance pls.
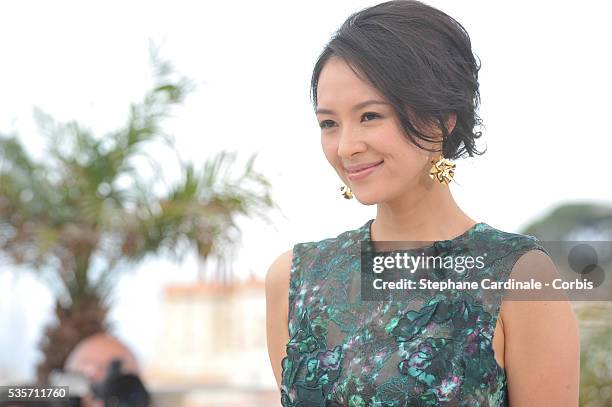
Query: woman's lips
x: 357, y: 175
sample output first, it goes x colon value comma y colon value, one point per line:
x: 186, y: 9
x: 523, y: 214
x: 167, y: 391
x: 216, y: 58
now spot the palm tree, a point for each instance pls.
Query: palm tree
x: 86, y: 212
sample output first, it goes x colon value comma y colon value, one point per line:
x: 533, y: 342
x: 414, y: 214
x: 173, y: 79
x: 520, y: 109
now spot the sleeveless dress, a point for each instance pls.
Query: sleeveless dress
x: 432, y: 350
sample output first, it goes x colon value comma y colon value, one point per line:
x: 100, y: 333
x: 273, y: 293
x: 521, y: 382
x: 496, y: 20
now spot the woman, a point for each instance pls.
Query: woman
x: 396, y: 94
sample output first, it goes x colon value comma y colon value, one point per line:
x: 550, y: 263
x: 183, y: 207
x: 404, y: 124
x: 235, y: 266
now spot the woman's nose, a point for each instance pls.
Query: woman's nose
x: 350, y: 142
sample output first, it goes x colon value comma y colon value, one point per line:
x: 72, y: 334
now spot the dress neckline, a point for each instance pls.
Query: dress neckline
x: 478, y: 226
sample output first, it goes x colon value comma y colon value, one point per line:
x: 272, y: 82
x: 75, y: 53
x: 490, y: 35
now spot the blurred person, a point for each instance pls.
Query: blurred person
x: 92, y: 358
x: 93, y: 354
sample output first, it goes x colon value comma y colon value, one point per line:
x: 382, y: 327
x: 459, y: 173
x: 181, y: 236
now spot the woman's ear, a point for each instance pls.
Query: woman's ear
x: 451, y: 122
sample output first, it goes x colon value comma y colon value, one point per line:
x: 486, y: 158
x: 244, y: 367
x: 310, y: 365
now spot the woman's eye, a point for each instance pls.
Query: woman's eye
x: 372, y: 114
x: 329, y: 123
x: 322, y: 124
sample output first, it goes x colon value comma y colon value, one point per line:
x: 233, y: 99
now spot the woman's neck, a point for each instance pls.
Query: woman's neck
x: 429, y: 215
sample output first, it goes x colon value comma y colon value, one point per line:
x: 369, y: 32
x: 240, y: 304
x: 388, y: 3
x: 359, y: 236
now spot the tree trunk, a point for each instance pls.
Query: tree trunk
x: 73, y: 324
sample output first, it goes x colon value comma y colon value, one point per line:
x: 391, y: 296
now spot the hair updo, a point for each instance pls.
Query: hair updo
x: 420, y: 59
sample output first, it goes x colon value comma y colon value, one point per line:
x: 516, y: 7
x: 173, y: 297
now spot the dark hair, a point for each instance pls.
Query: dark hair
x: 421, y: 60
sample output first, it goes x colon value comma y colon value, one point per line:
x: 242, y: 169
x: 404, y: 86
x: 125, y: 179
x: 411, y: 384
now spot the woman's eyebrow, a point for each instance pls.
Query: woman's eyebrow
x: 355, y: 108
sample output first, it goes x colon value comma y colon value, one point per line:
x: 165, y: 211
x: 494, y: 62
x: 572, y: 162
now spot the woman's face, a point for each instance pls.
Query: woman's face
x: 353, y: 133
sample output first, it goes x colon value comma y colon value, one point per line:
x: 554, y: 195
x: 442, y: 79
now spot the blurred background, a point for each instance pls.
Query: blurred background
x: 156, y: 157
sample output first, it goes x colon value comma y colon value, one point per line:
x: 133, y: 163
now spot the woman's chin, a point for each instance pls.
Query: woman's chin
x: 366, y: 198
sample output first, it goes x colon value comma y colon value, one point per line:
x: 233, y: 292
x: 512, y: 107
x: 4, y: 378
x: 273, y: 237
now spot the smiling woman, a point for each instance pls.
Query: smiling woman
x: 395, y: 94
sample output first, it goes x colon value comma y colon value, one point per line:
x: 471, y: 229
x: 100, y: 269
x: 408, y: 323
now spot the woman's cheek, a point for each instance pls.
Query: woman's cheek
x: 328, y: 151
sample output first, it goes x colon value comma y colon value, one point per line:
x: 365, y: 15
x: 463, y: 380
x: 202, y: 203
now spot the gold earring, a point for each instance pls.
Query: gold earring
x: 346, y: 192
x: 442, y: 170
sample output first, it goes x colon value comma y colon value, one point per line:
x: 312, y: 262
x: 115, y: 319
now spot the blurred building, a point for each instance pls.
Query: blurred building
x: 214, y: 340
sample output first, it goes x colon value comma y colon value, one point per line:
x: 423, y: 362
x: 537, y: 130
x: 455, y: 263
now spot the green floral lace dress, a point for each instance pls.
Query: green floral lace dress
x: 424, y: 351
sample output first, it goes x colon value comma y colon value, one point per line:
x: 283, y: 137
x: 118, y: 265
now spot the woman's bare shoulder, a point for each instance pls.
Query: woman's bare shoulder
x: 542, y: 342
x: 277, y: 277
x: 277, y: 308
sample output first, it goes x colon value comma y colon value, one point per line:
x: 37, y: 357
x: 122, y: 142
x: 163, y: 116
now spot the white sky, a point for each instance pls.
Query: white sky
x: 545, y: 90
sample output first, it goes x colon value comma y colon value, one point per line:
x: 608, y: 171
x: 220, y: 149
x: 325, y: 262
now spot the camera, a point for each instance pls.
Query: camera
x: 116, y: 390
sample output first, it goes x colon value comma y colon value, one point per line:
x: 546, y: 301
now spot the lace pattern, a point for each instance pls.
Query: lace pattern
x: 428, y: 350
